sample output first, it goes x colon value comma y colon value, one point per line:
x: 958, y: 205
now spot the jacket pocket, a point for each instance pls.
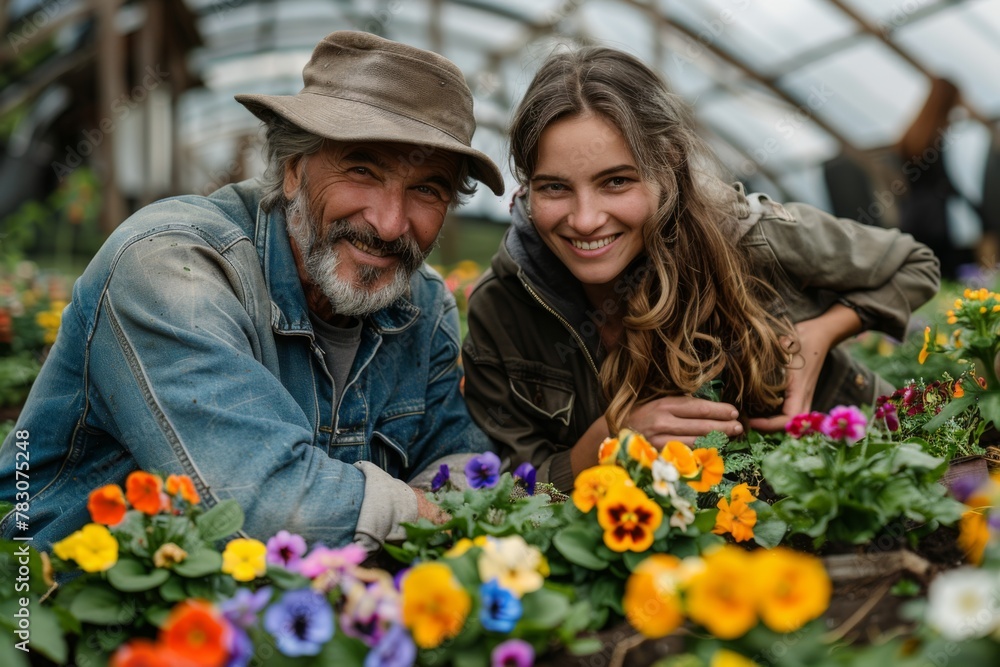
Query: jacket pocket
x: 542, y: 389
x: 391, y: 440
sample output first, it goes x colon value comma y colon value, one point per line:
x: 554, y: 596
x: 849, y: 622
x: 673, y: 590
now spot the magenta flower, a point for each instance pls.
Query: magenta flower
x: 845, y: 423
x: 887, y: 413
x: 513, y: 653
x: 483, y: 471
x: 804, y: 424
x: 286, y: 549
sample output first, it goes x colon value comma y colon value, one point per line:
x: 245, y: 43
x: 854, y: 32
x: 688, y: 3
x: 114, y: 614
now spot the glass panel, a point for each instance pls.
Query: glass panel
x: 619, y: 26
x: 966, y: 49
x: 763, y: 35
x: 866, y: 92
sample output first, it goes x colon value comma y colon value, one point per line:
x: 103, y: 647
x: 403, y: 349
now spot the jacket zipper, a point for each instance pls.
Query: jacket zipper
x: 566, y: 324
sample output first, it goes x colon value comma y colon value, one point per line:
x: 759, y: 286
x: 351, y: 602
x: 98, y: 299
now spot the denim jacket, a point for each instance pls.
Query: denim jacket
x: 187, y: 348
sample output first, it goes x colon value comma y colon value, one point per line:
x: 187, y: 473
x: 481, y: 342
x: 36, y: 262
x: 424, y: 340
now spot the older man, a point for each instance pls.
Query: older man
x: 280, y: 341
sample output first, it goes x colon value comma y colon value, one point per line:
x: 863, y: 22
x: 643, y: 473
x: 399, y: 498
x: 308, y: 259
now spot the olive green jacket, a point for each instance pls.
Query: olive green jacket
x: 533, y: 349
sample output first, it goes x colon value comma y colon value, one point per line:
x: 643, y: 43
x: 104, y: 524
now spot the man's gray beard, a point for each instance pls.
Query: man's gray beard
x: 322, y: 258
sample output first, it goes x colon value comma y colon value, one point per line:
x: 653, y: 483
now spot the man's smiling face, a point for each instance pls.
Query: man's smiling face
x: 362, y: 218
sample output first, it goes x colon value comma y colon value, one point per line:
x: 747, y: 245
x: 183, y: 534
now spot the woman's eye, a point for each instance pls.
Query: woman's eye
x: 361, y: 171
x: 618, y: 182
x: 551, y: 187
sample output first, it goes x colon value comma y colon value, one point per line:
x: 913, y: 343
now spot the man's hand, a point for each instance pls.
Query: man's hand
x: 683, y: 418
x: 816, y: 337
x: 428, y: 510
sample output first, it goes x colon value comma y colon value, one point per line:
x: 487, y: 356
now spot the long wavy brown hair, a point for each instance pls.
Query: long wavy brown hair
x: 698, y: 313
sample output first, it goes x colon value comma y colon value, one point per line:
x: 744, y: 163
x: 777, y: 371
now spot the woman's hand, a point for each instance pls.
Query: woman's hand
x: 816, y: 337
x: 683, y: 418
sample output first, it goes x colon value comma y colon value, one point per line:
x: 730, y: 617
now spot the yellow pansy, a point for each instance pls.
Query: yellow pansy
x: 793, y: 588
x: 245, y: 559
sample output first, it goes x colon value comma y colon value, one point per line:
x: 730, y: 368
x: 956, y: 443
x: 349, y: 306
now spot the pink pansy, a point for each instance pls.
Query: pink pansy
x: 845, y: 423
x: 331, y: 565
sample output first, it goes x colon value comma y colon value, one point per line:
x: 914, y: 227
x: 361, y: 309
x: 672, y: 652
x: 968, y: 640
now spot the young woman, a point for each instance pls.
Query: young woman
x: 632, y: 287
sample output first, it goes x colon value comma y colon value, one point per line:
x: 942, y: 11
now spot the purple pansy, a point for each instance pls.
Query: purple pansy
x: 513, y: 653
x: 240, y: 647
x: 500, y: 610
x: 396, y: 649
x: 442, y: 477
x: 300, y: 622
x: 286, y: 549
x: 241, y: 610
x: 845, y: 422
x: 526, y: 472
x: 483, y: 471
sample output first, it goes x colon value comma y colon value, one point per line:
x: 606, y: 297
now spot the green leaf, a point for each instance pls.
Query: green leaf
x: 769, y: 529
x: 585, y: 646
x: 954, y: 407
x: 130, y: 576
x: 157, y: 614
x: 173, y: 590
x: 10, y: 655
x: 343, y: 651
x: 632, y: 559
x: 577, y: 545
x: 221, y: 521
x: 286, y: 580
x: 199, y: 564
x: 543, y: 609
x: 101, y: 605
x: 608, y: 592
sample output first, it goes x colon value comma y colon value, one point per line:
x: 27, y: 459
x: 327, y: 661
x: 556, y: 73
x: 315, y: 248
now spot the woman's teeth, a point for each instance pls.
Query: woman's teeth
x: 593, y: 245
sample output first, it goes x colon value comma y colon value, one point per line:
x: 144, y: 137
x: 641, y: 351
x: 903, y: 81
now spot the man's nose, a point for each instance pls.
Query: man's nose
x: 389, y: 214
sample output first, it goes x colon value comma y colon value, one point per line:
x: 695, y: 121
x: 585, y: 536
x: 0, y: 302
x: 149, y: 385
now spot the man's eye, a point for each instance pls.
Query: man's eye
x: 361, y: 171
x: 428, y: 190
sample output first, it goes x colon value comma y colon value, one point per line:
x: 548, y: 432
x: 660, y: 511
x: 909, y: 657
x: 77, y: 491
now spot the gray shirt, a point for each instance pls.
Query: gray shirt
x: 340, y: 346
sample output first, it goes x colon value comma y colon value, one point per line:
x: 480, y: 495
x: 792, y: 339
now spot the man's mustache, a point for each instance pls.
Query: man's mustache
x: 405, y: 247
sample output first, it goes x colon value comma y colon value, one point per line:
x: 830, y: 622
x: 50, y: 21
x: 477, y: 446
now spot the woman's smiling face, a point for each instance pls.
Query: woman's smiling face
x: 588, y: 199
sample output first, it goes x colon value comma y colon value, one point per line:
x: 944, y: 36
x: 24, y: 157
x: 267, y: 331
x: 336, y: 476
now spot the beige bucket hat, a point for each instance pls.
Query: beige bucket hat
x: 361, y: 87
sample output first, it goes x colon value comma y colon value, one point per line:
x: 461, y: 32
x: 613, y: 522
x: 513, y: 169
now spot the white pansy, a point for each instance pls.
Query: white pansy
x: 964, y: 603
x: 664, y: 476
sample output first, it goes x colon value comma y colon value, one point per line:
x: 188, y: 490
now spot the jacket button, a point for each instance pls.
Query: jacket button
x: 859, y: 380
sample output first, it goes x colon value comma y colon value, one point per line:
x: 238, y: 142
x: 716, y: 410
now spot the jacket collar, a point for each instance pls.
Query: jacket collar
x: 289, y: 311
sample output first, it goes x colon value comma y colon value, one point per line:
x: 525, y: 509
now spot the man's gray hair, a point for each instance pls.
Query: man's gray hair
x: 285, y: 142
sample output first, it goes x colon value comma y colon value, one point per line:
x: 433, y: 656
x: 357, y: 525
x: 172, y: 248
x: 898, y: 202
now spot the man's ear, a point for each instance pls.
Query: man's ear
x: 290, y: 185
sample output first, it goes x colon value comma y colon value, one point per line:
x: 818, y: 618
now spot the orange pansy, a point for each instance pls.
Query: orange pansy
x: 608, y: 451
x: 974, y: 535
x: 735, y: 515
x: 652, y: 601
x: 140, y: 653
x: 182, y: 484
x: 145, y: 492
x: 195, y: 631
x: 107, y: 505
x: 793, y: 588
x: 722, y: 597
x: 681, y: 456
x: 711, y: 467
x: 593, y: 483
x: 639, y: 449
x: 629, y: 519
